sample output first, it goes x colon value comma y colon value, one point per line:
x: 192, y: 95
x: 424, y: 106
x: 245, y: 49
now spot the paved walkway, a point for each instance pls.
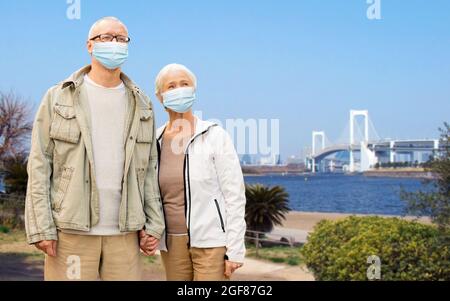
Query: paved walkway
x: 265, y: 271
x: 260, y: 270
x: 298, y: 235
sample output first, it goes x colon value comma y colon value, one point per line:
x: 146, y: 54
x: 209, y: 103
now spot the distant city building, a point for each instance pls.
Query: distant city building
x: 278, y: 160
x: 425, y: 157
x: 295, y: 160
x: 271, y: 160
x: 246, y: 160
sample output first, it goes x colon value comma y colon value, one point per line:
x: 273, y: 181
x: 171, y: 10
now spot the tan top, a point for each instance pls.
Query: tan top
x: 172, y: 185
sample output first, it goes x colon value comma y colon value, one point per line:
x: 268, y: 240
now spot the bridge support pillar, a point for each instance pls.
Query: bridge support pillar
x: 392, y: 152
x: 436, y: 148
x: 331, y: 166
x: 353, y: 115
x: 321, y: 135
x: 368, y: 158
x: 351, y: 167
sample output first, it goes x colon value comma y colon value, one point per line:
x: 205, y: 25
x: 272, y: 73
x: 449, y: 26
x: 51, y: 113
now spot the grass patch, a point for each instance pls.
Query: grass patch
x: 286, y: 255
x: 277, y: 259
x: 293, y: 261
x: 150, y: 259
x: 12, y: 236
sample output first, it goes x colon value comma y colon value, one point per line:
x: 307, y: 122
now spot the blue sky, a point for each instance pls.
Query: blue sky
x: 305, y: 62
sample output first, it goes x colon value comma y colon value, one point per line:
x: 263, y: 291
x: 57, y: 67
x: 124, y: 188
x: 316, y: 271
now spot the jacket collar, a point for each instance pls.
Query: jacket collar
x: 201, y: 126
x: 77, y: 78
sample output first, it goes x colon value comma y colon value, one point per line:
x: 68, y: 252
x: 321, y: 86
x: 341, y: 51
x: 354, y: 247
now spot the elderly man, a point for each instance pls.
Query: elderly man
x: 92, y: 169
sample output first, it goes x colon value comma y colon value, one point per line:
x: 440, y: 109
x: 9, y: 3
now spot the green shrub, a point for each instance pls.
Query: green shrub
x: 277, y: 260
x: 293, y: 261
x: 4, y: 229
x: 407, y: 250
x: 12, y: 211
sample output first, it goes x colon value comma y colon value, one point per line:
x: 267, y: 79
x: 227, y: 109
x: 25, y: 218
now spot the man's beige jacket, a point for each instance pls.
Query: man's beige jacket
x: 61, y: 192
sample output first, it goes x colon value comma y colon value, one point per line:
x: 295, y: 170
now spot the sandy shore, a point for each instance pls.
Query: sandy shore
x: 307, y: 220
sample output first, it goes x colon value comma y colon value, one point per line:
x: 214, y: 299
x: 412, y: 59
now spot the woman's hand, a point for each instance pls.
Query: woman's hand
x: 148, y: 243
x: 231, y: 267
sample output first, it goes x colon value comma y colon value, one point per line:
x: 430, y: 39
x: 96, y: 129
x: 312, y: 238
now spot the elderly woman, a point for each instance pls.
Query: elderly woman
x: 202, y: 187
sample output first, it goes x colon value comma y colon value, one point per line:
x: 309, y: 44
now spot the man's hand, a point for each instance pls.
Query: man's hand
x: 231, y: 267
x: 47, y: 246
x: 148, y: 243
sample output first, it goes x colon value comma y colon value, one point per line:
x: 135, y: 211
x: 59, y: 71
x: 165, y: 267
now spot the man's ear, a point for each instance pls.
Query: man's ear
x: 90, y: 46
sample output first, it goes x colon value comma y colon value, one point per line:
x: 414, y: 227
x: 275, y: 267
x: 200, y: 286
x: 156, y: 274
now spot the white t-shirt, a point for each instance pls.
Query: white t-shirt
x: 108, y: 111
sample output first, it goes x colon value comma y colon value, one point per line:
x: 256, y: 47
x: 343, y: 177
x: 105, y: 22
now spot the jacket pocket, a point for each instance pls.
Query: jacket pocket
x: 222, y: 224
x: 145, y: 133
x: 64, y: 125
x: 63, y: 185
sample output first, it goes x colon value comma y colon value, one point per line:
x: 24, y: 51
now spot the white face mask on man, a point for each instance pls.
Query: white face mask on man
x: 111, y: 55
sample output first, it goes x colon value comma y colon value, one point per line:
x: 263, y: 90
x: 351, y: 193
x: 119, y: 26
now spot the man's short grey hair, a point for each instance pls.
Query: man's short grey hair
x: 94, y: 26
x: 171, y: 68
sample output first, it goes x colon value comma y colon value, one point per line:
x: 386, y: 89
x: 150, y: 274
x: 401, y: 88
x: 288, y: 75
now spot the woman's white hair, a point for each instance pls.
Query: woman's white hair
x: 171, y: 68
x: 94, y: 26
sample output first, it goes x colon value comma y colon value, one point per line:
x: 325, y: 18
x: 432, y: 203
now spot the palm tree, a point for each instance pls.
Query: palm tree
x: 266, y: 207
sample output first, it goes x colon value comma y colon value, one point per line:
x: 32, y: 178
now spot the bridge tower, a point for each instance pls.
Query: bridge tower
x: 392, y: 152
x: 353, y: 115
x: 436, y: 149
x: 315, y: 135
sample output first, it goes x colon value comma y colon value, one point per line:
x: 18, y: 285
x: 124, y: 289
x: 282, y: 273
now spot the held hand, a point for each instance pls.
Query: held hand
x: 231, y: 267
x: 148, y: 243
x: 47, y: 246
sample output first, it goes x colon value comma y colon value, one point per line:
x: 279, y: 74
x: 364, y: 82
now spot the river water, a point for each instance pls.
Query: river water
x: 342, y: 193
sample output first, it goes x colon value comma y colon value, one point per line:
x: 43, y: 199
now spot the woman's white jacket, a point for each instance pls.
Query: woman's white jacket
x: 214, y: 191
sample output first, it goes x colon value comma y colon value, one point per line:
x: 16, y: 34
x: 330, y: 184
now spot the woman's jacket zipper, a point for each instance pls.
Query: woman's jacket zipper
x: 220, y: 216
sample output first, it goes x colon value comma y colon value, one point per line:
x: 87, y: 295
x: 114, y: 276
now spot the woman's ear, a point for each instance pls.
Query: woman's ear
x: 159, y: 96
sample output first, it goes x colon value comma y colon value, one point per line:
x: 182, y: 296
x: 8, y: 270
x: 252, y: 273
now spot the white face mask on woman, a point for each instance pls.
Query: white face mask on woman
x: 179, y: 100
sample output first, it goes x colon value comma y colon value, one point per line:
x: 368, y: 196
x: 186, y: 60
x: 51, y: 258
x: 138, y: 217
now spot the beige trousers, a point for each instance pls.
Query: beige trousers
x: 194, y: 264
x: 88, y: 258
